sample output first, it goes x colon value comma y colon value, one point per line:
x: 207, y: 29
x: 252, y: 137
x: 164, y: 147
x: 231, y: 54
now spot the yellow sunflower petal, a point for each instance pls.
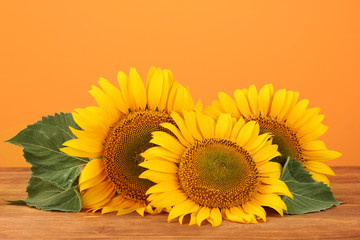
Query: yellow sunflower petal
x: 238, y: 211
x: 92, y: 120
x: 213, y: 112
x: 253, y: 137
x: 193, y: 217
x: 160, y: 166
x: 154, y: 152
x: 92, y: 181
x: 167, y: 141
x: 236, y: 129
x: 87, y: 145
x: 153, y: 196
x: 150, y: 156
x: 234, y: 218
x: 181, y: 218
x: 228, y: 104
x: 319, y: 131
x: 278, y: 102
x: 97, y: 194
x: 127, y: 96
x: 321, y: 155
x: 169, y: 198
x: 167, y: 83
x: 308, y: 114
x: 79, y: 153
x: 112, y: 205
x: 188, y: 101
x: 140, y: 211
x: 114, y: 94
x: 137, y: 89
x: 96, y: 206
x: 265, y: 99
x: 163, y: 187
x: 320, y: 178
x: 217, y: 105
x: 124, y: 211
x: 223, y: 126
x: 269, y: 167
x: 92, y: 169
x: 267, y: 153
x: 122, y: 206
x: 204, y: 213
x: 310, y: 126
x: 318, y: 167
x: 120, y: 211
x: 199, y: 106
x: 105, y: 103
x: 279, y: 184
x: 171, y: 98
x: 245, y: 134
x: 287, y: 105
x: 215, y: 214
x: 151, y: 210
x: 253, y: 100
x: 179, y: 98
x: 276, y: 189
x: 150, y: 74
x: 157, y: 177
x: 295, y: 97
x: 181, y: 125
x: 275, y: 174
x: 87, y: 135
x: 206, y: 125
x: 191, y: 124
x: 183, y: 208
x: 258, y: 143
x: 242, y: 103
x: 273, y: 201
x: 176, y: 132
x: 255, y: 209
x: 155, y: 88
x: 314, y: 145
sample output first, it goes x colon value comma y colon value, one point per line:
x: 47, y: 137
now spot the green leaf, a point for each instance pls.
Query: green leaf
x: 309, y: 195
x: 17, y: 202
x: 46, y: 195
x: 41, y: 142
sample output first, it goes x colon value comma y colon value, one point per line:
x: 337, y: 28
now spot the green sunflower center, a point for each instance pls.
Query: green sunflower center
x: 129, y: 137
x: 284, y: 137
x: 218, y: 173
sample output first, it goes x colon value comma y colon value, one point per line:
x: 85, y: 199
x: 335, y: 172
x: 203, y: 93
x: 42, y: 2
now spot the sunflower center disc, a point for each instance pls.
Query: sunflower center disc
x: 129, y: 137
x: 284, y: 137
x: 217, y: 173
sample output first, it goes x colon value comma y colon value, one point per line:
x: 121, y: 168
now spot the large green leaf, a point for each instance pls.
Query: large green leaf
x: 309, y: 195
x: 46, y: 195
x: 51, y: 168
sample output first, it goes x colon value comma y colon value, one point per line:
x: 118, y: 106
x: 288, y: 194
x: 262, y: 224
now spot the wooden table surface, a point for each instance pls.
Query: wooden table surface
x: 23, y: 222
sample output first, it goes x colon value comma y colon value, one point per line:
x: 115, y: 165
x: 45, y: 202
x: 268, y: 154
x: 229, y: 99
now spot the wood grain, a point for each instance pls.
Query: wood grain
x: 22, y: 222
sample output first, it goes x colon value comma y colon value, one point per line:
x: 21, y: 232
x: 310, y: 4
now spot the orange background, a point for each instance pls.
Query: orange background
x: 51, y: 52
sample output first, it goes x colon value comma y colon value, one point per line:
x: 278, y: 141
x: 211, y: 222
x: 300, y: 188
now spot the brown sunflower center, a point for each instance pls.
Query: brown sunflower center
x: 218, y: 173
x: 129, y: 137
x: 284, y: 137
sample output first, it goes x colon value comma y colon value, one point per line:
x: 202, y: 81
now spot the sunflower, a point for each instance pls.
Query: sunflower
x: 115, y: 133
x: 213, y: 170
x: 294, y: 127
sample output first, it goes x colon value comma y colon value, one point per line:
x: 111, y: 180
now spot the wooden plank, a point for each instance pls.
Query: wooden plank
x: 17, y: 222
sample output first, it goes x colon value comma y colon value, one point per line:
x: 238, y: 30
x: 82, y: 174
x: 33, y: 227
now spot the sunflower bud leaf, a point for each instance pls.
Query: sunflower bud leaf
x: 54, y: 174
x: 309, y: 195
